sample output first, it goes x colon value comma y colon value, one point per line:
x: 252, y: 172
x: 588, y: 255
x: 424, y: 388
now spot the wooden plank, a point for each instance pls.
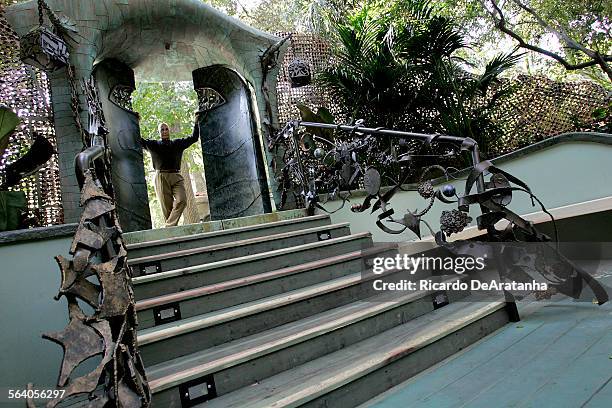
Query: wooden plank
x: 204, y: 235
x: 580, y: 381
x: 509, y: 362
x: 440, y: 377
x: 248, y: 258
x: 249, y: 280
x: 217, y: 317
x: 602, y: 396
x: 520, y: 386
x: 169, y: 374
x: 446, y: 372
x: 219, y: 225
x: 304, y: 383
x: 236, y: 244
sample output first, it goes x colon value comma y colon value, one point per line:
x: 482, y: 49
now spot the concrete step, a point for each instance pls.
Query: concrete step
x: 174, y: 244
x: 354, y: 374
x: 192, y: 277
x: 176, y: 339
x: 248, y: 360
x: 192, y: 302
x: 135, y: 237
x: 228, y: 250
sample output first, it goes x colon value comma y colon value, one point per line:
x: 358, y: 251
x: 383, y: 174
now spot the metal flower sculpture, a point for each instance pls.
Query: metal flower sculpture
x: 335, y: 159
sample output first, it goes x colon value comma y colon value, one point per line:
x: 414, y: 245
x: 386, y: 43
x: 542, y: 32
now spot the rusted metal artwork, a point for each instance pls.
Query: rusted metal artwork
x: 329, y: 165
x: 98, y: 276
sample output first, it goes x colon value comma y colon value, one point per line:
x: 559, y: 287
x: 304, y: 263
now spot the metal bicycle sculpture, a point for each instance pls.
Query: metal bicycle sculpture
x: 331, y: 158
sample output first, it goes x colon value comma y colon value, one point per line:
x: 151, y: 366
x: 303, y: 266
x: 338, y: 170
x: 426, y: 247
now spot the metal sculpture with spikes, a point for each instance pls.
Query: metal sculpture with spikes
x: 99, y: 276
x: 98, y: 252
x: 332, y: 158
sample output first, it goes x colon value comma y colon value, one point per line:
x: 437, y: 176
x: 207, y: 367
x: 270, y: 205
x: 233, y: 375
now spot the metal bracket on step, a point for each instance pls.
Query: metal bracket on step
x: 513, y: 313
x: 439, y: 299
x: 167, y: 313
x: 324, y: 235
x: 196, y: 391
x: 149, y: 268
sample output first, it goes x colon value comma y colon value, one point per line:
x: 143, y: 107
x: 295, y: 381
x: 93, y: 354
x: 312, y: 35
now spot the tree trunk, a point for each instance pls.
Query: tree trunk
x: 190, y: 215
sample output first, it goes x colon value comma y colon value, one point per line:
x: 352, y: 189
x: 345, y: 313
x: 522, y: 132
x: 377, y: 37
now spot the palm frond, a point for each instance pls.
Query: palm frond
x: 496, y: 67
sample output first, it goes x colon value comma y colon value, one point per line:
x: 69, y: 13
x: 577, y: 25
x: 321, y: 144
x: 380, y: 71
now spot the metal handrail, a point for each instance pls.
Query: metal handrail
x: 466, y: 143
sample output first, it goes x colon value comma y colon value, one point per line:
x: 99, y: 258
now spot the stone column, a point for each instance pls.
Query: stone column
x: 69, y: 143
x: 233, y: 160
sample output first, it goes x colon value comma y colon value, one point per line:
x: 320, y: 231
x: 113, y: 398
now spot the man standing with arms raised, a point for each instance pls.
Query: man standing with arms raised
x: 169, y: 184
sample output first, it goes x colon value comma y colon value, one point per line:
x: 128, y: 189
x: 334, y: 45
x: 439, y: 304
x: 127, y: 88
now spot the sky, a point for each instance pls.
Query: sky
x: 249, y: 4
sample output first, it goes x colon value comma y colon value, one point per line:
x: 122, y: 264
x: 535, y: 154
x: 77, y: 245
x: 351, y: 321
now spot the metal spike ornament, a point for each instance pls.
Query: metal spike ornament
x: 110, y: 332
x: 98, y: 275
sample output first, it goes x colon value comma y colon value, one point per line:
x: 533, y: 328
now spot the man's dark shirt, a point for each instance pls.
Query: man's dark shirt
x: 167, y: 154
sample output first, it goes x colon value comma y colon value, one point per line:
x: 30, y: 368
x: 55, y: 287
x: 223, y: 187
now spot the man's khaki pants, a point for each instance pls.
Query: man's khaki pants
x: 170, y: 189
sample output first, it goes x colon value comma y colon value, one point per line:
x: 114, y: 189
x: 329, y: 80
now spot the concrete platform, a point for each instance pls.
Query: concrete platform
x: 559, y: 355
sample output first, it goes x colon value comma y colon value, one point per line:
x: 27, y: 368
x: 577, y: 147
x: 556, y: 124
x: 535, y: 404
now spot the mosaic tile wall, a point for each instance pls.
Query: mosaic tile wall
x: 26, y: 90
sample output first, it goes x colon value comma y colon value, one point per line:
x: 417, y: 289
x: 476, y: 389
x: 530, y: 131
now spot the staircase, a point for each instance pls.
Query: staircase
x: 284, y: 314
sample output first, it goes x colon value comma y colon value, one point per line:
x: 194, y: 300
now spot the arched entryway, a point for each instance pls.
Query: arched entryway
x: 232, y: 153
x: 167, y: 42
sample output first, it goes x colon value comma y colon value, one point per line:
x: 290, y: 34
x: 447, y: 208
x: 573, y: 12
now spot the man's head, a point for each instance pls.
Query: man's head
x: 164, y: 131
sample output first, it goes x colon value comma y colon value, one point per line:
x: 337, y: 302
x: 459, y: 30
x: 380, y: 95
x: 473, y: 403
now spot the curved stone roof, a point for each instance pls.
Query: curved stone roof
x: 161, y: 40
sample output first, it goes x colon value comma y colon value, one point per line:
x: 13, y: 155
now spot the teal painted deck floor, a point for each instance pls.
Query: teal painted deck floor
x: 559, y: 355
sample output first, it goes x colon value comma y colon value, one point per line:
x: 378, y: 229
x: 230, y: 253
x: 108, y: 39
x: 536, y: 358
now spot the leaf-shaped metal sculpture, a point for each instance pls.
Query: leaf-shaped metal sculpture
x: 371, y: 181
x: 76, y: 284
x: 96, y: 208
x: 346, y: 173
x: 413, y: 223
x: 110, y: 331
x: 80, y: 342
x: 87, y: 238
x: 115, y: 295
x: 39, y: 153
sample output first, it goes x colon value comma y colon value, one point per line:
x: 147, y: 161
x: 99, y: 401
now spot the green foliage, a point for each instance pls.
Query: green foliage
x: 397, y: 66
x: 603, y: 119
x: 276, y: 16
x: 172, y: 103
x: 229, y: 7
x: 587, y: 22
x: 8, y: 123
x: 322, y: 116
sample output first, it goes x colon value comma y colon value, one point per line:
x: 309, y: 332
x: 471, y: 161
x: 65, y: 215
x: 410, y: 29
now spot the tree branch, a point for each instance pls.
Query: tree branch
x: 502, y: 24
x: 559, y: 32
x: 244, y: 10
